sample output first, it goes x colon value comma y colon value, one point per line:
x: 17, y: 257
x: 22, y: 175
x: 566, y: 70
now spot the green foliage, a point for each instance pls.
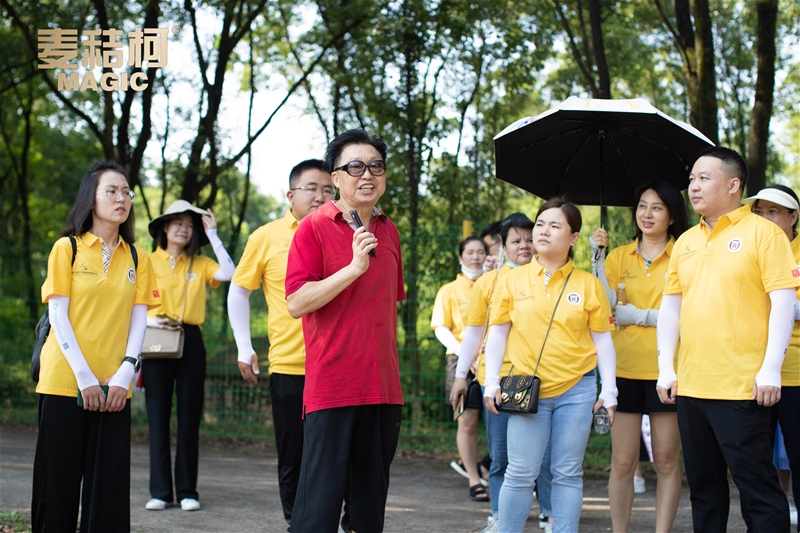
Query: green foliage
x: 14, y: 521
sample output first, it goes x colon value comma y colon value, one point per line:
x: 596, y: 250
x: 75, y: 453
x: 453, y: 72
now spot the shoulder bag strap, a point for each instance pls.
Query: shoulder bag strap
x: 186, y: 287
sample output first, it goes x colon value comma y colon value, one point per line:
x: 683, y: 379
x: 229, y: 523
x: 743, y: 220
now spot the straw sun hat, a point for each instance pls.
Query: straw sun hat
x: 177, y: 208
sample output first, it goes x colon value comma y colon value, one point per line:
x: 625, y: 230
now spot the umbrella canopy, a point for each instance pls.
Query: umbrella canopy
x: 596, y: 152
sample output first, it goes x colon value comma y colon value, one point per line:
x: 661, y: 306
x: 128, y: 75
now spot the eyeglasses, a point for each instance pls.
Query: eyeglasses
x: 113, y: 193
x: 357, y: 168
x: 772, y: 211
x: 312, y: 190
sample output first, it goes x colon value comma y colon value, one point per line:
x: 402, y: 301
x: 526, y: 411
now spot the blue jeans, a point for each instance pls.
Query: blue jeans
x: 563, y: 423
x: 496, y: 429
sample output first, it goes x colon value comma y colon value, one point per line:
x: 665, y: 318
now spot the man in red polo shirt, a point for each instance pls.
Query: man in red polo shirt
x: 345, y: 280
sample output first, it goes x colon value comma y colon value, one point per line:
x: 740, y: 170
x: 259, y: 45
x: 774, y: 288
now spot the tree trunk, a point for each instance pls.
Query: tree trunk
x: 603, y: 78
x: 22, y: 187
x: 765, y: 85
x: 707, y: 121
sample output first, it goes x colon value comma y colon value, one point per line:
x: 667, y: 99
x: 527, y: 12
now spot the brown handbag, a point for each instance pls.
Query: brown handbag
x: 166, y: 343
x: 520, y: 394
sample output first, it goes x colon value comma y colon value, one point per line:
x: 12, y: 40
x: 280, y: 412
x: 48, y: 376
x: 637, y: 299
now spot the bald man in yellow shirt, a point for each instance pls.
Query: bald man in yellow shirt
x: 730, y: 297
x: 263, y: 263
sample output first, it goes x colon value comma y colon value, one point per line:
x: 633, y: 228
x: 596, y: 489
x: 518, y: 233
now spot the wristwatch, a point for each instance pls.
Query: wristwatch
x: 134, y: 361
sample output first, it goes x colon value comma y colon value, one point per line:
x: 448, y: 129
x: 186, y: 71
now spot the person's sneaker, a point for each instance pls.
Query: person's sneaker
x: 155, y: 505
x: 190, y: 504
x: 638, y: 485
x: 544, y: 520
x: 458, y: 466
x: 492, y: 525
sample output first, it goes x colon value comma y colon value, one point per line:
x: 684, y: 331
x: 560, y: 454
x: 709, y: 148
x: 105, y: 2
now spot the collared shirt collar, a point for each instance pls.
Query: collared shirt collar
x: 733, y: 216
x: 538, y: 269
x: 90, y: 239
x: 290, y: 219
x: 330, y: 210
x: 464, y: 280
x: 165, y: 255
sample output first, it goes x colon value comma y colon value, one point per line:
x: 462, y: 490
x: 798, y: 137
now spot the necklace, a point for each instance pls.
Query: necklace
x: 649, y: 258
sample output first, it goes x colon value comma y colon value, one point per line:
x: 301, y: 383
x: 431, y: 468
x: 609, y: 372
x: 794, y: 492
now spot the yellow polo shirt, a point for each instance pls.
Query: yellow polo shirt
x: 637, y: 351
x: 263, y: 263
x: 450, y: 307
x: 172, y: 283
x: 569, y: 352
x: 478, y: 309
x: 100, y: 308
x: 724, y: 276
x: 790, y: 371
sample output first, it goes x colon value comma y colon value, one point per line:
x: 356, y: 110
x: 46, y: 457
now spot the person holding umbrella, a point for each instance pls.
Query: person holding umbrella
x: 551, y: 308
x: 659, y: 218
x: 182, y: 276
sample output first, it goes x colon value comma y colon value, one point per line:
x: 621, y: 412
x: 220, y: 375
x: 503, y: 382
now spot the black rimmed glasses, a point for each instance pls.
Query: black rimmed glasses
x: 113, y: 193
x: 312, y: 190
x: 357, y: 168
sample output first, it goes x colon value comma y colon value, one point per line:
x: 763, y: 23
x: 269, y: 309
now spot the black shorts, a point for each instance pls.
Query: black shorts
x: 640, y: 396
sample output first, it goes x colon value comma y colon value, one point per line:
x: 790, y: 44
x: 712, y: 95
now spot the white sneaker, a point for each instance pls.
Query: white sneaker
x: 492, y: 525
x: 190, y: 504
x: 638, y: 485
x: 155, y: 505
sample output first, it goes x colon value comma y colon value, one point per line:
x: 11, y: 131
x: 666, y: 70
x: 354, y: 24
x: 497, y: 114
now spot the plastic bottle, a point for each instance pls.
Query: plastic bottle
x: 602, y: 422
x: 622, y: 298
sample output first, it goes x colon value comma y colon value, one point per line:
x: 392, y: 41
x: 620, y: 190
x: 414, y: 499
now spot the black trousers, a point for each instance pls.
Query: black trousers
x: 286, y: 392
x: 346, y: 450
x: 187, y: 377
x: 718, y: 435
x: 75, y: 445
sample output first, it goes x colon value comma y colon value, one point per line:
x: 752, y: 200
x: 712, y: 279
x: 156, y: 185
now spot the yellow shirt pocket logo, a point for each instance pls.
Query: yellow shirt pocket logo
x: 131, y: 275
x: 574, y: 298
x: 734, y: 245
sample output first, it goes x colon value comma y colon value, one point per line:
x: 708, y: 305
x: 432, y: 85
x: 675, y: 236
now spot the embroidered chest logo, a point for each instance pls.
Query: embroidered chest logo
x: 131, y: 275
x: 574, y: 298
x: 734, y: 245
x: 191, y: 277
x: 83, y: 266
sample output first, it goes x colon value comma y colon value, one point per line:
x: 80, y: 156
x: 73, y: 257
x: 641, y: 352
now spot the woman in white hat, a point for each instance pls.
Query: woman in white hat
x: 182, y: 278
x: 780, y: 205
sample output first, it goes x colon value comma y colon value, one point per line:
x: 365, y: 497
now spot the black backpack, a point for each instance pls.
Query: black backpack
x: 43, y: 327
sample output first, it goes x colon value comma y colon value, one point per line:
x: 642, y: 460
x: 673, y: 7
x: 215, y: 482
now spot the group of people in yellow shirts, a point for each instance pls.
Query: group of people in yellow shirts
x: 724, y: 287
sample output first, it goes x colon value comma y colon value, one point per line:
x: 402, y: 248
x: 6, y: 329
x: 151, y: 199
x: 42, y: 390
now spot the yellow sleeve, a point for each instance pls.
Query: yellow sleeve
x: 252, y: 264
x: 598, y: 308
x: 613, y: 262
x: 478, y: 300
x: 59, y: 271
x: 210, y: 268
x: 502, y: 303
x: 146, y: 284
x: 673, y: 284
x: 777, y: 263
x: 441, y: 309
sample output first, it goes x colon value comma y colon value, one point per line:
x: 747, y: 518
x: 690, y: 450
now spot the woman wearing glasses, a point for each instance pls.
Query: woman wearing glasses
x: 98, y: 289
x: 554, y: 321
x: 779, y: 204
x: 449, y: 323
x: 641, y: 267
x: 182, y: 275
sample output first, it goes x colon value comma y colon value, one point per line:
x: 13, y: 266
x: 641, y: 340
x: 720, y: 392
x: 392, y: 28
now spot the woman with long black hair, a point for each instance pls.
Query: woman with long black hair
x: 98, y: 289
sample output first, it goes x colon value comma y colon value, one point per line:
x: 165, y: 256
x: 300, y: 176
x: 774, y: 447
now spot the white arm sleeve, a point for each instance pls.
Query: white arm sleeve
x: 226, y: 267
x: 797, y: 310
x: 607, y: 365
x: 667, y: 335
x: 599, y: 270
x: 494, y: 354
x: 153, y: 323
x: 447, y: 338
x: 239, y: 315
x: 780, y: 333
x: 62, y: 328
x: 124, y: 375
x: 470, y: 346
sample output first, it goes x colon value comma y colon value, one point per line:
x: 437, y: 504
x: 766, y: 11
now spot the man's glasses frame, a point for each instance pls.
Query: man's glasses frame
x: 312, y: 190
x: 357, y: 168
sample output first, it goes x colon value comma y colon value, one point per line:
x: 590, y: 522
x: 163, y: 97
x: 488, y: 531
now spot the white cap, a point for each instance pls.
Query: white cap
x: 775, y: 196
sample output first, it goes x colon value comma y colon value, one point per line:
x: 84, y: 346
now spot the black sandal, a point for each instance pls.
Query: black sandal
x: 478, y: 494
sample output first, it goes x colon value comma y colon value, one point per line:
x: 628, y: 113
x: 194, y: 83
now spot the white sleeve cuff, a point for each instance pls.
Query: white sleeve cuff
x: 780, y: 333
x: 239, y: 316
x: 607, y: 365
x: 447, y: 338
x: 667, y: 334
x: 58, y: 307
x: 226, y: 268
x: 494, y: 353
x: 470, y: 346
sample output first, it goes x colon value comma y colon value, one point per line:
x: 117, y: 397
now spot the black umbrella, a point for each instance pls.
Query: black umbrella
x: 596, y: 152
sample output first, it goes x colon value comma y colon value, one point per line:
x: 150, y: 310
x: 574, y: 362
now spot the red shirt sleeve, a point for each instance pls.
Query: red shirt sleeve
x: 305, y: 257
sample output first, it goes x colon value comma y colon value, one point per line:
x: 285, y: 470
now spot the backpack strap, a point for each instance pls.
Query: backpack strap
x: 74, y: 248
x: 135, y: 256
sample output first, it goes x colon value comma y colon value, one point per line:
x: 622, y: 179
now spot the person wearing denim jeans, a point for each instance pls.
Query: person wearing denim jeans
x: 554, y: 322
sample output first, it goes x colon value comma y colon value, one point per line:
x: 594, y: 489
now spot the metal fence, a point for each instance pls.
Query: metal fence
x: 233, y: 408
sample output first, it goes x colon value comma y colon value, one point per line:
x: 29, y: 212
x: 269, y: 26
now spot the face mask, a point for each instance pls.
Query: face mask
x: 471, y: 273
x: 512, y: 264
